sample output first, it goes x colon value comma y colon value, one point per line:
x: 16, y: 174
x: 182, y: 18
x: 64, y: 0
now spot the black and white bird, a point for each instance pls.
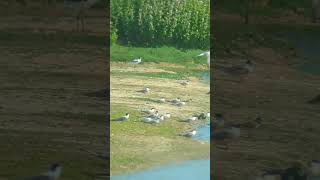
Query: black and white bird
x: 53, y: 174
x: 189, y: 119
x: 149, y: 111
x: 122, y: 118
x: 136, y: 61
x: 145, y: 90
x: 189, y: 133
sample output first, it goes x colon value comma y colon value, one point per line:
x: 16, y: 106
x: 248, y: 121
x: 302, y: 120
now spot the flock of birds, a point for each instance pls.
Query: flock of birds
x: 153, y: 116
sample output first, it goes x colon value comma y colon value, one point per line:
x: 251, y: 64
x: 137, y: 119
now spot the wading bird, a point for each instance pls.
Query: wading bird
x: 189, y: 133
x: 123, y: 118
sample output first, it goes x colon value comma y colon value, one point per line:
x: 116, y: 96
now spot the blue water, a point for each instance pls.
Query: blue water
x: 203, y: 133
x: 186, y: 170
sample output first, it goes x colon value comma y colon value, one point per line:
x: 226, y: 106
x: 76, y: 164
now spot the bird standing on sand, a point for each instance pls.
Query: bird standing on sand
x: 185, y: 83
x: 53, y: 174
x: 145, y: 90
x: 123, y: 118
x: 189, y: 119
x: 149, y: 111
x: 167, y: 115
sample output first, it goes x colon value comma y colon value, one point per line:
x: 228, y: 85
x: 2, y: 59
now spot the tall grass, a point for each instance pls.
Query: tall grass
x: 182, y: 23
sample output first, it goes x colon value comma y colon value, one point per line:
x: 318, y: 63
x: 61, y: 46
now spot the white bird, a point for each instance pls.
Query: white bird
x: 189, y: 133
x: 145, y: 90
x: 53, y: 173
x: 162, y: 100
x: 155, y: 115
x: 189, y: 119
x: 208, y: 115
x: 149, y: 111
x: 123, y: 118
x: 136, y: 61
x: 151, y: 120
x: 185, y: 83
x: 180, y: 103
x: 167, y: 116
x: 174, y: 101
x: 207, y: 54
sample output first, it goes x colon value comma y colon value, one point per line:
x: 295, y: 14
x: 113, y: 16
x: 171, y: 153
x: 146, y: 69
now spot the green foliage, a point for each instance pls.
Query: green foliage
x: 182, y: 23
x: 158, y: 54
x: 113, y: 35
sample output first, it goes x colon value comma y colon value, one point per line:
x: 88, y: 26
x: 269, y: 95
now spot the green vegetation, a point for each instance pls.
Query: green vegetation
x: 160, y: 54
x: 182, y: 23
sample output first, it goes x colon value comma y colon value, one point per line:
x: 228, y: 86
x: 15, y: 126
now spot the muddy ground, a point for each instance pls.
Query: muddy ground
x: 278, y: 93
x: 46, y: 69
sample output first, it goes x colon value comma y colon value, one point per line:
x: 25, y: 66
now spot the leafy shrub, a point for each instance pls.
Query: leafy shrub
x: 182, y: 23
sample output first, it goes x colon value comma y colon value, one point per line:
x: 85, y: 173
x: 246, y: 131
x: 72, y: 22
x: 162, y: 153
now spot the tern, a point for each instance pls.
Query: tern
x: 53, y: 173
x: 155, y: 115
x: 174, y: 101
x: 136, y: 61
x: 151, y: 120
x: 145, y: 90
x: 207, y: 54
x: 123, y: 118
x: 190, y: 119
x: 167, y: 116
x: 185, y: 83
x: 189, y: 133
x: 162, y: 100
x: 149, y: 111
x: 180, y: 103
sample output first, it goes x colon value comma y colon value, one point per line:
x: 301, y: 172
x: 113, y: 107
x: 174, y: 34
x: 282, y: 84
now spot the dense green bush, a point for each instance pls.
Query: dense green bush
x: 182, y: 23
